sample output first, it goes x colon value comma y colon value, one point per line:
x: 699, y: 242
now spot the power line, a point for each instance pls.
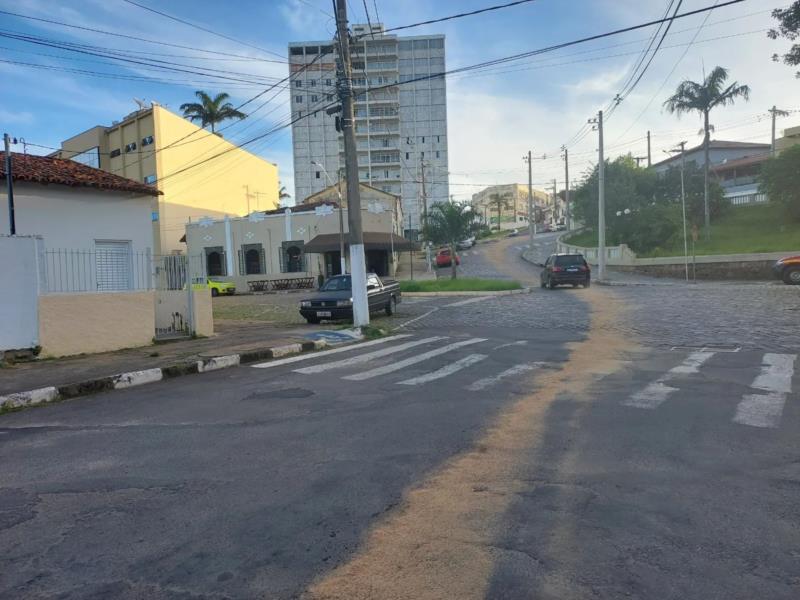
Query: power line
x: 136, y: 38
x: 459, y: 15
x: 211, y: 31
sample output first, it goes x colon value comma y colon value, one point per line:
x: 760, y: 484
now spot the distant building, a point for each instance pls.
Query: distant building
x: 398, y: 127
x: 719, y: 152
x: 155, y: 146
x: 514, y: 212
x: 790, y: 137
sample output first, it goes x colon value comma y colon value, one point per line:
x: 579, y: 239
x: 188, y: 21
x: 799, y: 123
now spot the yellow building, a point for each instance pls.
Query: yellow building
x: 154, y: 145
x: 514, y: 208
x: 791, y: 136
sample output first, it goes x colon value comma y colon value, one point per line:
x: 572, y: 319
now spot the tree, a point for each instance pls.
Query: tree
x: 499, y: 203
x: 789, y: 28
x: 449, y: 223
x: 210, y: 111
x: 780, y: 180
x: 691, y: 96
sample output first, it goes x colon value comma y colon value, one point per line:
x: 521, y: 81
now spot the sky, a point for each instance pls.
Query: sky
x: 494, y: 116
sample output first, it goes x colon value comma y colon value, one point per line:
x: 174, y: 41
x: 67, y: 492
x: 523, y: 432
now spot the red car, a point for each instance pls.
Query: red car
x: 788, y: 269
x: 444, y: 258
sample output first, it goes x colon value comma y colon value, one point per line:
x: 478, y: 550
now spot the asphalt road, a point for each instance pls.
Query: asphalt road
x: 605, y: 443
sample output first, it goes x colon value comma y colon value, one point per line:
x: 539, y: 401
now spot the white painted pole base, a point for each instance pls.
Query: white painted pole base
x: 343, y: 264
x: 358, y: 273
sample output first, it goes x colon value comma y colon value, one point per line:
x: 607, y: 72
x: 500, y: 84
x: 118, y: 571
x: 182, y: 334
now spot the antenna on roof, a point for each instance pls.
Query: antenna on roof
x: 141, y: 103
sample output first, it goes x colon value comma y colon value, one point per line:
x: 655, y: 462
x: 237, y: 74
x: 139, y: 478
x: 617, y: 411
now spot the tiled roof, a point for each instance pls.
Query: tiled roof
x: 47, y: 169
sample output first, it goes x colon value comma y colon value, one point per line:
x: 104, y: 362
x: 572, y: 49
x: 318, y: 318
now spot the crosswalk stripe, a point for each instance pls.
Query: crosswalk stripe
x: 486, y: 382
x: 411, y: 361
x: 294, y: 359
x: 656, y: 393
x: 445, y: 371
x: 775, y: 378
x: 362, y: 358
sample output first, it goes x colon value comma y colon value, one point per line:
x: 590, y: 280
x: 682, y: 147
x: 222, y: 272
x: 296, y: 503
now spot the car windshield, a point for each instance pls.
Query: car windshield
x: 336, y: 284
x: 570, y: 260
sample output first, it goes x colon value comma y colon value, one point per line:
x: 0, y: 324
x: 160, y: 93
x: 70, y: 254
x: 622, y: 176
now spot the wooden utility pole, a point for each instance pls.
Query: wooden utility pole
x: 775, y: 112
x: 358, y: 271
x: 12, y: 225
x: 601, y: 201
x: 531, y: 206
x: 649, y: 161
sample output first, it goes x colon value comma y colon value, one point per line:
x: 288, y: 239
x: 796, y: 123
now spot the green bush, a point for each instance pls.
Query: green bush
x: 780, y: 180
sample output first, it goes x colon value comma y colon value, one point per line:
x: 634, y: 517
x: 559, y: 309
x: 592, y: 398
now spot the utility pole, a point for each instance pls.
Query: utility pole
x: 776, y: 112
x: 425, y: 214
x: 601, y: 201
x: 682, y: 150
x: 10, y: 185
x: 649, y: 161
x: 531, y: 207
x: 566, y: 193
x: 556, y: 213
x: 344, y: 86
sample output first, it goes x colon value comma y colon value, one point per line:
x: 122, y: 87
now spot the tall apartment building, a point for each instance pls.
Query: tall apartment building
x: 156, y: 146
x: 401, y: 130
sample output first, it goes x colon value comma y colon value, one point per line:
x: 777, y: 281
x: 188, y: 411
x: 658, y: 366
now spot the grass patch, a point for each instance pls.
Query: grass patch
x: 742, y: 230
x: 371, y: 332
x: 465, y: 284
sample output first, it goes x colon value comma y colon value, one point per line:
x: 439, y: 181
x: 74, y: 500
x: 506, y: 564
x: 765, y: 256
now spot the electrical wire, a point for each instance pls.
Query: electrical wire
x: 201, y: 28
x: 459, y: 15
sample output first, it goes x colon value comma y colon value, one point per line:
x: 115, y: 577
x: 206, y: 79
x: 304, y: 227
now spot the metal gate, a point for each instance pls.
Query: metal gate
x: 176, y: 278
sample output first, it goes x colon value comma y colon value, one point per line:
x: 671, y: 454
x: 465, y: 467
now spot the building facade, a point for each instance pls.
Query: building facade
x: 401, y: 128
x: 514, y: 205
x: 157, y: 147
x: 719, y: 151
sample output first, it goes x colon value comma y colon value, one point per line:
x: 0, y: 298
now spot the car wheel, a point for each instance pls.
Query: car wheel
x: 214, y: 292
x: 312, y: 320
x: 391, y: 306
x: 791, y: 276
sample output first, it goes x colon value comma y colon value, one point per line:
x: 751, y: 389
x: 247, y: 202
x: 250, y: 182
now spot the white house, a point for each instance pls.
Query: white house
x: 96, y: 285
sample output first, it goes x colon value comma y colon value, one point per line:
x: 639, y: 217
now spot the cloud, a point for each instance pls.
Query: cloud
x: 299, y: 17
x: 16, y: 117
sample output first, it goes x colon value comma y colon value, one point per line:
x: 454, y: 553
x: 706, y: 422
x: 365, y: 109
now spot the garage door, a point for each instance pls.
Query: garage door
x: 113, y: 266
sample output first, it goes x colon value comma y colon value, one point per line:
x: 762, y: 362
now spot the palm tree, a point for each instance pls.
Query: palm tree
x: 449, y: 223
x: 703, y: 97
x: 282, y: 195
x: 499, y: 203
x: 210, y: 111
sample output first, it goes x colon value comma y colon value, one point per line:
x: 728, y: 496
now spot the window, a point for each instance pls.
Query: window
x: 437, y: 154
x: 328, y: 82
x: 385, y: 143
x: 406, y: 155
x: 315, y: 98
x: 252, y: 260
x: 386, y: 174
x: 328, y: 96
x: 299, y: 114
x: 420, y: 44
x: 404, y: 45
x: 146, y: 141
x: 130, y: 147
x: 296, y: 51
x: 114, y: 153
x: 298, y: 99
x: 317, y: 174
x: 422, y: 155
x: 326, y: 50
x: 437, y: 139
x: 312, y: 49
x: 312, y: 82
x: 423, y: 139
x: 113, y: 266
x: 150, y: 179
x: 437, y: 44
x: 293, y: 257
x: 298, y: 83
x: 215, y: 261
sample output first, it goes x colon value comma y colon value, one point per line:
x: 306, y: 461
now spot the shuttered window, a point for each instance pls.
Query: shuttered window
x: 113, y: 266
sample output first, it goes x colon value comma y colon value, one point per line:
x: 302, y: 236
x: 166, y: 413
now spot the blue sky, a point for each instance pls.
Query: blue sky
x: 494, y: 117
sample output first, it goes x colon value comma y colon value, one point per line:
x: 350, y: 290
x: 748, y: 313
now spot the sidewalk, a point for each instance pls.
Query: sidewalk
x: 421, y: 272
x: 231, y: 338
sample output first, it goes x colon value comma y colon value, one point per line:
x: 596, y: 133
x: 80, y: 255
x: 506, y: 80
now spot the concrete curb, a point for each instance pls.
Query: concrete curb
x: 135, y: 378
x: 524, y: 290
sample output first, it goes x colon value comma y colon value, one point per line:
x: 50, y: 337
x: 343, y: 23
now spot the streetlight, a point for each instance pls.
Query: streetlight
x: 342, y: 259
x: 683, y: 206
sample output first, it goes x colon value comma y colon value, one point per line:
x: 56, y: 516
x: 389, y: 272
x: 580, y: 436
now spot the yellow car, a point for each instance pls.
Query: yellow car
x: 221, y: 287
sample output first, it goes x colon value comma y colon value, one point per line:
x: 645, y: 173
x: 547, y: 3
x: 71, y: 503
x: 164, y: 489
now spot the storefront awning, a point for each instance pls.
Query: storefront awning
x: 373, y: 240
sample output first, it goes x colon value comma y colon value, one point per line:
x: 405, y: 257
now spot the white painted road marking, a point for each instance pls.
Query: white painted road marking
x: 486, y: 382
x: 362, y: 358
x: 469, y: 301
x: 430, y: 312
x: 657, y: 392
x: 517, y: 343
x: 294, y: 359
x: 765, y: 410
x: 445, y: 370
x: 411, y: 361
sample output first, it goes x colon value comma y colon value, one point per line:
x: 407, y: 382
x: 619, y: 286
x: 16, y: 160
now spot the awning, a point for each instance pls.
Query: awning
x: 373, y: 240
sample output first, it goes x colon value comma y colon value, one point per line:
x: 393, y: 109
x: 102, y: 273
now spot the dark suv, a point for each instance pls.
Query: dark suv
x: 566, y: 268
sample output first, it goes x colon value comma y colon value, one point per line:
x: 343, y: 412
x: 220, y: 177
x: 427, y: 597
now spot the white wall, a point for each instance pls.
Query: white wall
x: 74, y: 218
x: 19, y: 319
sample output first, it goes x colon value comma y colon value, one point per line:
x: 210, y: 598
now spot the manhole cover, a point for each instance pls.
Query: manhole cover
x: 282, y: 393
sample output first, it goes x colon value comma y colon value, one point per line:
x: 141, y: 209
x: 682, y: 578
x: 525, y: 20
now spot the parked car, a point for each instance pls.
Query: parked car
x: 788, y: 269
x: 334, y: 300
x: 467, y: 243
x: 221, y: 287
x: 514, y: 233
x: 544, y: 228
x: 565, y: 269
x: 444, y: 258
